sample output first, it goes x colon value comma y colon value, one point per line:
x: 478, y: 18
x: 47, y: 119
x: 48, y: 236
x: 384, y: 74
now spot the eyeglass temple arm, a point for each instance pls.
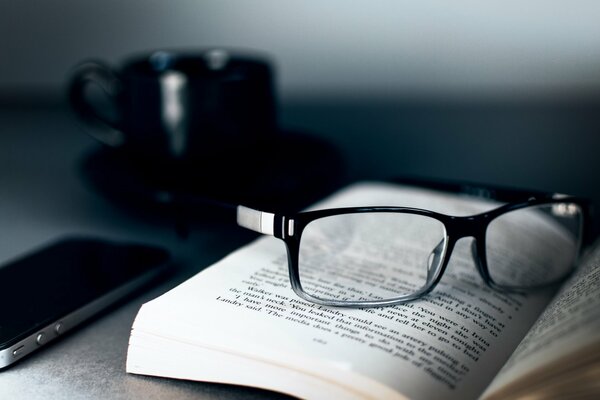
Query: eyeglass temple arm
x: 258, y: 221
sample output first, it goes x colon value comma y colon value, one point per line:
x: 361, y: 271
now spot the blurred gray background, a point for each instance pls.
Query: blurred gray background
x: 503, y: 92
x: 384, y: 47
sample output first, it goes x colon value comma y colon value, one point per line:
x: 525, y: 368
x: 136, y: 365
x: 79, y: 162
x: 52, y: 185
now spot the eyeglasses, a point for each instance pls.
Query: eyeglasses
x: 380, y: 256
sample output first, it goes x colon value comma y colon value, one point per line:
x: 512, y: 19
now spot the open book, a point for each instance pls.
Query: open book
x: 239, y: 322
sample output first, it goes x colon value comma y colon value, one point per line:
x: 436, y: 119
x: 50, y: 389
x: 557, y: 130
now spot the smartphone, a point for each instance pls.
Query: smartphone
x: 48, y: 292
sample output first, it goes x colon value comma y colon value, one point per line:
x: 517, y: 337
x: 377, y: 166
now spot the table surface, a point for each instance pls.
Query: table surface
x: 44, y: 196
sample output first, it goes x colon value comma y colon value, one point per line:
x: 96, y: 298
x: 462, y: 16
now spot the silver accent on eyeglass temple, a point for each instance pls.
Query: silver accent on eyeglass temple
x: 258, y: 221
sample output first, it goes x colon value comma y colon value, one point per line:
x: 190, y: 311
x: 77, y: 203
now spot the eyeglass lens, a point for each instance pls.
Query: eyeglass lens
x: 370, y: 256
x: 533, y: 246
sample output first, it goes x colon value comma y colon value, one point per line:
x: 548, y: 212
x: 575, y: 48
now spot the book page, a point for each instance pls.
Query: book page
x: 449, y: 344
x: 570, y: 325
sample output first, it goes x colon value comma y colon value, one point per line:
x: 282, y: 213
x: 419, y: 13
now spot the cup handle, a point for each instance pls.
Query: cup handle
x: 100, y: 126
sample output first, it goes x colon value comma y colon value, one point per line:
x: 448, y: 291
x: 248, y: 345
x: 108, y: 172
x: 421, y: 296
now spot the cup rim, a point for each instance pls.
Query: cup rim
x: 200, y: 62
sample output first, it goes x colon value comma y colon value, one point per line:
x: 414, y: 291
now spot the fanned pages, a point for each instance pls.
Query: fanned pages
x: 239, y: 322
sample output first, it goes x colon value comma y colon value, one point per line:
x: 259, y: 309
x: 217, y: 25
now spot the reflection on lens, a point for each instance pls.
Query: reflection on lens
x: 533, y: 246
x: 370, y: 256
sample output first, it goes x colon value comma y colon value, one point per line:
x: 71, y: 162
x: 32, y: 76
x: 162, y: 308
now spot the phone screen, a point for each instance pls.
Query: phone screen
x: 40, y: 288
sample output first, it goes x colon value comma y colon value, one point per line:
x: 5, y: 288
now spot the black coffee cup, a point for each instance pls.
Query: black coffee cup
x: 207, y: 106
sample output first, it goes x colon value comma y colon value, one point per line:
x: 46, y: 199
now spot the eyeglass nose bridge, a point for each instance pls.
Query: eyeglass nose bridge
x: 470, y: 227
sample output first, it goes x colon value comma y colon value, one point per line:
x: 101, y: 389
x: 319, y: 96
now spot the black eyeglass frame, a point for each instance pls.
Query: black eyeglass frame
x: 290, y: 228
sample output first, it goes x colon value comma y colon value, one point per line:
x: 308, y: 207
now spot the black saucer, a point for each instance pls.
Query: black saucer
x: 282, y: 175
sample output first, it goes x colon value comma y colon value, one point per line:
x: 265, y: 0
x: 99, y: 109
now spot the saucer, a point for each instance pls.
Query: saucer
x: 285, y: 174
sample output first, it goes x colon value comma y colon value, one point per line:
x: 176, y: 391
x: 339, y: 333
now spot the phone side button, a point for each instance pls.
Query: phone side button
x: 41, y: 338
x: 58, y: 328
x: 18, y: 351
